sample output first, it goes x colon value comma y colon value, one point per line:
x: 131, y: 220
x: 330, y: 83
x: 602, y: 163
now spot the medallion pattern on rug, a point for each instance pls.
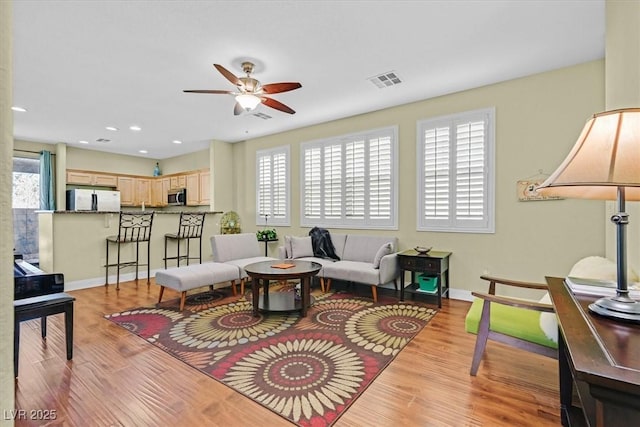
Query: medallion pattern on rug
x: 308, y: 370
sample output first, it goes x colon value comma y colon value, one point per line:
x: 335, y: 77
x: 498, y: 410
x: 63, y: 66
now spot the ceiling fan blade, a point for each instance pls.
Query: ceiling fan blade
x: 209, y: 91
x: 280, y: 87
x: 270, y: 102
x: 237, y: 110
x: 228, y: 75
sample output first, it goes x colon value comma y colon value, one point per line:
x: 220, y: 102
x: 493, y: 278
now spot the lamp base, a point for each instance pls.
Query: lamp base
x: 618, y: 308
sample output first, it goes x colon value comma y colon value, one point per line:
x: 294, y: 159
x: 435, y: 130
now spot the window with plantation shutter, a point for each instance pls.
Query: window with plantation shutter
x: 456, y: 173
x: 350, y: 181
x: 272, y: 186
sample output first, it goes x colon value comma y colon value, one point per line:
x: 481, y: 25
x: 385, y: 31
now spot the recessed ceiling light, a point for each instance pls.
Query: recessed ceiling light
x: 111, y: 128
x: 19, y: 109
x: 143, y: 151
x: 135, y: 128
x: 83, y: 142
x: 177, y: 141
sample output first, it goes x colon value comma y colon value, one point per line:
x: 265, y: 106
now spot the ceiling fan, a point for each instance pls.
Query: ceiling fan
x: 251, y: 92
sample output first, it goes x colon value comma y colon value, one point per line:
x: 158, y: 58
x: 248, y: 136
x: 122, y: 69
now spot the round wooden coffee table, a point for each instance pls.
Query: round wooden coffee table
x: 281, y: 301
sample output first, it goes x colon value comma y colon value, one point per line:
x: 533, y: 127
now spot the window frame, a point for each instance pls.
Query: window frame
x: 343, y: 140
x: 451, y: 223
x: 260, y: 217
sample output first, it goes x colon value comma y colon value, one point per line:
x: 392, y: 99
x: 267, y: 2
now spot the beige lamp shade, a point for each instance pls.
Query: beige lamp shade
x: 605, y: 157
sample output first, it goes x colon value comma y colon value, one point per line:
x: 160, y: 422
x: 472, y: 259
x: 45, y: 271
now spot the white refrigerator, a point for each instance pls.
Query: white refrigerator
x: 93, y: 200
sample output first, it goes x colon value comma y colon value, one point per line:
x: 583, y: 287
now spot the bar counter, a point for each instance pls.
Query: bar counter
x: 73, y: 243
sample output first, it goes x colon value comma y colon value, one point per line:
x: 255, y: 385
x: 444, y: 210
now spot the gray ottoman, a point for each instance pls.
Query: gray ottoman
x: 183, y: 279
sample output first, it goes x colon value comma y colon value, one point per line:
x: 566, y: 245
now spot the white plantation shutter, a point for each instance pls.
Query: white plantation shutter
x: 455, y: 173
x: 272, y: 186
x: 350, y: 181
x: 354, y: 180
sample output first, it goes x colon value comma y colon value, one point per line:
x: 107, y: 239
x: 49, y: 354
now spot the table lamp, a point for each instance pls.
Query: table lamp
x: 604, y: 164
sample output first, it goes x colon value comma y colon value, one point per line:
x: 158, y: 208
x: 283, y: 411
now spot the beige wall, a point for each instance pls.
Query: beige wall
x: 538, y: 119
x: 6, y: 218
x: 78, y: 158
x: 186, y: 162
x: 222, y: 184
x: 622, y: 87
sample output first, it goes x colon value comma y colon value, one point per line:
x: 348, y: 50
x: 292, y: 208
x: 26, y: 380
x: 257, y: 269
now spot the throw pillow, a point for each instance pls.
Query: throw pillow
x: 385, y: 249
x: 301, y: 247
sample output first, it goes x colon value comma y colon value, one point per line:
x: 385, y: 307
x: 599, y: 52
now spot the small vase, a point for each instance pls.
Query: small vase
x: 156, y: 170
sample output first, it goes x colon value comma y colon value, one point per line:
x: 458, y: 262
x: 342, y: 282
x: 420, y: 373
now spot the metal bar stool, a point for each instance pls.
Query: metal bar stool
x: 189, y: 227
x: 135, y: 227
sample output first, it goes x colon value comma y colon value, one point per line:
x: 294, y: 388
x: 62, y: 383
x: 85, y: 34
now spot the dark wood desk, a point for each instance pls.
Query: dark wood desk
x: 434, y: 263
x: 599, y: 361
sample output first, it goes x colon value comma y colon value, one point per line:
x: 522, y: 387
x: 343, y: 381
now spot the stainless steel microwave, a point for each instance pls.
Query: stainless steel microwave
x: 177, y: 197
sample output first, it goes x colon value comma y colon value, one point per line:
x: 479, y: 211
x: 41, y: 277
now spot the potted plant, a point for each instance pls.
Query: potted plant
x: 266, y: 234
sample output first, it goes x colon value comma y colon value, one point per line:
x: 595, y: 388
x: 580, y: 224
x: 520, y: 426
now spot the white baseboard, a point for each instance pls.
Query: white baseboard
x: 99, y: 281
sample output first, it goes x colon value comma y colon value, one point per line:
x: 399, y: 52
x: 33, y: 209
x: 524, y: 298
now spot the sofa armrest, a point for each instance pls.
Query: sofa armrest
x: 389, y: 270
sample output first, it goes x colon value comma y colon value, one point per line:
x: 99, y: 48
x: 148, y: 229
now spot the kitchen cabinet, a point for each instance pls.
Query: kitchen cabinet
x: 159, y: 190
x: 142, y: 192
x: 152, y: 191
x: 126, y: 188
x: 205, y: 188
x: 193, y: 189
x: 90, y: 178
x: 178, y: 181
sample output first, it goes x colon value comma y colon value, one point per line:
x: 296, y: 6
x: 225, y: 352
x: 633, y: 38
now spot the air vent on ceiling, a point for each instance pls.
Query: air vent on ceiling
x: 104, y: 140
x: 263, y: 116
x: 390, y: 78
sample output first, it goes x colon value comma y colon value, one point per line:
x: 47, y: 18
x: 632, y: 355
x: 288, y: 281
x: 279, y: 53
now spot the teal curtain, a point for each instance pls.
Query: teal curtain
x: 47, y: 193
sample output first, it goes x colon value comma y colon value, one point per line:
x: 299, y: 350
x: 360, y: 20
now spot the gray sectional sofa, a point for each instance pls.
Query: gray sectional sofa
x: 237, y: 249
x: 363, y: 259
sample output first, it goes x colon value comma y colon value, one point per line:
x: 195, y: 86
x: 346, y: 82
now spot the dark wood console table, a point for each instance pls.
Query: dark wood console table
x: 599, y: 363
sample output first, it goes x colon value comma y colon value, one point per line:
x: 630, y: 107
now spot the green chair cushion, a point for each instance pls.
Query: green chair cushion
x: 512, y: 321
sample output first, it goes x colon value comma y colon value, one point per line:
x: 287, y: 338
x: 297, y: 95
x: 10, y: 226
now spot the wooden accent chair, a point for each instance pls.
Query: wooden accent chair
x: 509, y: 320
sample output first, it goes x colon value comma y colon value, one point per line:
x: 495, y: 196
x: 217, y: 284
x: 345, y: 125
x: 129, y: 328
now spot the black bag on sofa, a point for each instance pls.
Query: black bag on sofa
x: 322, y: 244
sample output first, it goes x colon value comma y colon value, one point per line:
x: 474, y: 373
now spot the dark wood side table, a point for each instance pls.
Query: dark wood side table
x: 281, y: 301
x: 434, y: 263
x: 599, y: 361
x: 266, y: 242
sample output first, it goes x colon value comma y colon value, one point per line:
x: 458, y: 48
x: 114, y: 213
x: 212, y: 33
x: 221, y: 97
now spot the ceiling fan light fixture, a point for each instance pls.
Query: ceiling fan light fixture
x: 247, y: 101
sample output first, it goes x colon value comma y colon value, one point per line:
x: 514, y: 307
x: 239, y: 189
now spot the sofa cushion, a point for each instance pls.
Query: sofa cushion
x: 352, y: 271
x: 227, y: 247
x: 385, y: 249
x: 526, y: 327
x: 301, y: 247
x: 364, y: 248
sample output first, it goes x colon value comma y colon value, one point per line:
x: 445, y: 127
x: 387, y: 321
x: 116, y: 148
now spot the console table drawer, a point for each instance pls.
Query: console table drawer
x: 422, y: 264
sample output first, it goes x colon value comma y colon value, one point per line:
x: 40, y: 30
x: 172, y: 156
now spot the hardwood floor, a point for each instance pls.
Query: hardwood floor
x: 118, y: 379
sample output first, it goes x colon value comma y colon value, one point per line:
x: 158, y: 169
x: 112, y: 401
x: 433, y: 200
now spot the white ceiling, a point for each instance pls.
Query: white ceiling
x: 80, y: 66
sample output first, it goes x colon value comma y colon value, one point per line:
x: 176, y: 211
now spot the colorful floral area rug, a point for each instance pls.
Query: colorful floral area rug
x: 308, y: 369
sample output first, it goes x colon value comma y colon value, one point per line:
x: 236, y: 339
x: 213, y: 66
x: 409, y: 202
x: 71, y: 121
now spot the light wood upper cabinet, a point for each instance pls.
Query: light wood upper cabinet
x: 178, y: 181
x: 193, y: 189
x: 142, y: 191
x: 204, y: 188
x: 152, y: 191
x: 126, y: 188
x: 159, y: 190
x: 90, y: 178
